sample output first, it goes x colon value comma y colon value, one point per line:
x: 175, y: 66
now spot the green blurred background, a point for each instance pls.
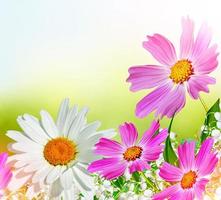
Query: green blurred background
x: 82, y: 50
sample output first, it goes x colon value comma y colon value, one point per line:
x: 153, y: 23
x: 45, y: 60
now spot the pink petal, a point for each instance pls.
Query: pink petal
x: 159, y: 138
x: 147, y: 76
x: 161, y: 49
x: 107, y: 147
x: 170, y: 173
x: 189, y: 195
x: 187, y: 38
x: 3, y: 159
x: 202, y: 42
x: 169, y: 193
x: 138, y: 165
x: 114, y: 172
x: 128, y: 133
x: 198, y: 83
x: 186, y: 154
x: 5, y: 177
x: 151, y: 102
x: 149, y: 133
x: 101, y: 165
x: 199, y: 188
x: 207, y: 62
x: 208, y: 165
x: 152, y: 153
x: 173, y: 102
x: 205, y: 149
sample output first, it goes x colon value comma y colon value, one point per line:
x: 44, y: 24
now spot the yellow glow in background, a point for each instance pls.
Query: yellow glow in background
x: 82, y: 49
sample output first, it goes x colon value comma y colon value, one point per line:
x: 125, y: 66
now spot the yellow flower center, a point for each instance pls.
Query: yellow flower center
x: 188, y: 180
x: 181, y: 71
x: 132, y: 153
x: 60, y: 151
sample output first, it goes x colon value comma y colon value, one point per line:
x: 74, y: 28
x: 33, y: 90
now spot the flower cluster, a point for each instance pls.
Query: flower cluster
x: 69, y: 158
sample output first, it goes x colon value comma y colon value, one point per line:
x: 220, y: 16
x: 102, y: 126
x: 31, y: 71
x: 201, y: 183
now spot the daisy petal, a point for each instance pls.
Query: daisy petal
x: 48, y: 124
x: 62, y: 114
x: 67, y: 179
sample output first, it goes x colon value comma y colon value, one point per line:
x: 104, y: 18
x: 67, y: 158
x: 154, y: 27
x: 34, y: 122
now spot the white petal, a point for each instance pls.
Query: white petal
x: 41, y: 174
x: 54, y: 174
x: 34, y: 166
x: 81, y: 181
x: 69, y: 194
x: 72, y: 113
x: 48, y: 124
x: 62, y: 114
x: 78, y: 124
x: 86, y: 155
x: 55, y: 190
x: 31, y: 130
x: 67, y: 179
x: 18, y: 136
x: 19, y: 178
x: 27, y: 147
x: 89, y: 130
x: 36, y: 125
x: 110, y: 133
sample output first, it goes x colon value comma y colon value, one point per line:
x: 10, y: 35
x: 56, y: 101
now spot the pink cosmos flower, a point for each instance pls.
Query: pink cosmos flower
x: 175, y: 75
x: 189, y: 180
x: 5, y: 172
x: 130, y: 154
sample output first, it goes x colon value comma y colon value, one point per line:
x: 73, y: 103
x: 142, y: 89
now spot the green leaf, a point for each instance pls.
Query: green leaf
x: 119, y: 183
x: 95, y: 198
x: 136, y: 176
x: 169, y: 154
x: 210, y: 121
x: 116, y: 195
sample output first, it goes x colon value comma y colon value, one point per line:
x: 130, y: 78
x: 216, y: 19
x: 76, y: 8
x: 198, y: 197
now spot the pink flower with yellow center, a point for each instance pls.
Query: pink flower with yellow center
x: 190, y: 178
x: 5, y: 172
x: 130, y: 154
x: 175, y: 75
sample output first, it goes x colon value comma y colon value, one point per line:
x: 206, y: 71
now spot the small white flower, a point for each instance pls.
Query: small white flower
x: 216, y: 134
x: 107, y: 184
x: 218, y: 124
x: 172, y: 135
x: 148, y: 193
x: 218, y: 192
x: 144, y: 186
x: 217, y: 116
x: 55, y: 153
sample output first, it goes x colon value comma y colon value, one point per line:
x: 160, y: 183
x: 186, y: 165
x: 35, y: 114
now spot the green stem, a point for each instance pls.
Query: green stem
x: 149, y: 182
x: 203, y: 103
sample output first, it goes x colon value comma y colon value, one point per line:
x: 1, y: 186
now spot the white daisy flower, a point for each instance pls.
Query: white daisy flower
x: 55, y: 154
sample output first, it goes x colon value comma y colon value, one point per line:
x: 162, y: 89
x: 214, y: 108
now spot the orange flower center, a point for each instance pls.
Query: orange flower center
x: 60, y: 151
x: 132, y: 153
x: 181, y: 71
x: 188, y: 180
